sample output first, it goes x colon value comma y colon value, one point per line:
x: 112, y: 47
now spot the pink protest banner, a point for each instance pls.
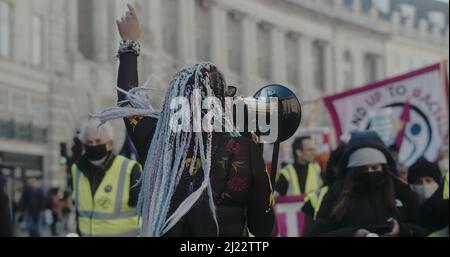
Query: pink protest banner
x: 289, y: 217
x: 424, y: 90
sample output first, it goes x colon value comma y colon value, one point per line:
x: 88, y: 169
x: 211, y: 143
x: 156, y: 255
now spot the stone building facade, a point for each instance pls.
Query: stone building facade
x: 57, y: 59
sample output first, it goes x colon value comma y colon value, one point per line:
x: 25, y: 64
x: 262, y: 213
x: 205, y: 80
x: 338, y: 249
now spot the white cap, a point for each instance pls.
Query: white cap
x: 366, y: 156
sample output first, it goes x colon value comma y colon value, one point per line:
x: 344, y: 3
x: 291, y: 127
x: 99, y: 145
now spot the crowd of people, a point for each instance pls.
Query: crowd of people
x: 34, y: 212
x: 217, y: 184
x: 363, y: 194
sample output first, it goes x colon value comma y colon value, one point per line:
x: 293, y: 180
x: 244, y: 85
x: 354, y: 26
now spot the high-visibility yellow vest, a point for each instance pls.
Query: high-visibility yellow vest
x: 440, y: 233
x: 106, y: 213
x: 443, y: 232
x: 445, y: 194
x: 313, y: 179
x: 316, y: 199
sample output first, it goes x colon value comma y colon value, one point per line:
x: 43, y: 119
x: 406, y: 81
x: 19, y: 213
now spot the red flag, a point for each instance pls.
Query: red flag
x: 405, y: 117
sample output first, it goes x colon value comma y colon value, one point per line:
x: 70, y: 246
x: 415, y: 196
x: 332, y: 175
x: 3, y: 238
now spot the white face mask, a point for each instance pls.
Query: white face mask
x: 425, y: 191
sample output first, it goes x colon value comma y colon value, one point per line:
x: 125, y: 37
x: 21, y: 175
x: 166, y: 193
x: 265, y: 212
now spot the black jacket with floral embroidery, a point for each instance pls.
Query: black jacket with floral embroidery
x: 240, y: 183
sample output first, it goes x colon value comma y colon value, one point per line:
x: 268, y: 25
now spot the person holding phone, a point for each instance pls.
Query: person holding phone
x: 369, y: 200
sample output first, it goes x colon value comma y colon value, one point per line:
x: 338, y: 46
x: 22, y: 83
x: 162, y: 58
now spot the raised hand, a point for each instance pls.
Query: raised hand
x: 128, y: 25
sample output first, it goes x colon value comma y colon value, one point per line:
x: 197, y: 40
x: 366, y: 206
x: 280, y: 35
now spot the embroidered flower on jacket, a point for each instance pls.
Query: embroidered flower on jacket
x: 235, y: 165
x: 233, y: 147
x: 237, y: 184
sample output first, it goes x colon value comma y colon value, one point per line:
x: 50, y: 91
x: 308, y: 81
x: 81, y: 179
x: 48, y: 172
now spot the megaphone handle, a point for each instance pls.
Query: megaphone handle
x: 276, y: 151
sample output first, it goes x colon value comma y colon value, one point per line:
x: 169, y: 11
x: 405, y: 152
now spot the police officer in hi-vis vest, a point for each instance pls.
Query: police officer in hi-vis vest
x: 304, y: 176
x: 105, y: 190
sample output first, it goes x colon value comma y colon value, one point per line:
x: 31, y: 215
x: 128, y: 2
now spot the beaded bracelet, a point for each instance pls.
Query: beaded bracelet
x: 130, y: 46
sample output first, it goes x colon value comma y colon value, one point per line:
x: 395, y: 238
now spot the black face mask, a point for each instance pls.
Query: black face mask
x: 367, y: 182
x: 95, y: 153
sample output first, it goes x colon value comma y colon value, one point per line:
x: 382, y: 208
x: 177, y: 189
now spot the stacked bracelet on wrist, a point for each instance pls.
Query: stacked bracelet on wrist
x: 130, y: 46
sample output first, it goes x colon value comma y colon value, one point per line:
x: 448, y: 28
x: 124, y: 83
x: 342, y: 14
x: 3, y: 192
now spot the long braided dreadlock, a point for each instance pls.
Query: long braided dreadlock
x: 169, y: 150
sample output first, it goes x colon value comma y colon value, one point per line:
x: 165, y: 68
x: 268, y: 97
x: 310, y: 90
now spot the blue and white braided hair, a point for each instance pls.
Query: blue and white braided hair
x: 169, y: 150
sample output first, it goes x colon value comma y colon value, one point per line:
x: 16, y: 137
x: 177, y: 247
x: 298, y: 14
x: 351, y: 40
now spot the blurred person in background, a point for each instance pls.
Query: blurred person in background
x: 5, y: 212
x: 402, y: 169
x: 314, y: 200
x: 435, y: 211
x: 368, y: 199
x: 55, y: 208
x: 33, y: 205
x: 304, y: 175
x: 66, y: 209
x: 424, y: 177
x: 443, y: 160
x: 402, y: 172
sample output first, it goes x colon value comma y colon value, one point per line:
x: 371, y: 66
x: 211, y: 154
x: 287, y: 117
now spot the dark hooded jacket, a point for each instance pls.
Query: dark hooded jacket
x: 240, y: 184
x: 435, y: 211
x: 369, y: 210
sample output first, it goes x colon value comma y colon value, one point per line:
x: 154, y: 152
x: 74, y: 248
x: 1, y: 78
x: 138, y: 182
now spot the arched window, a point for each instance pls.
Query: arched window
x: 319, y: 65
x: 5, y: 28
x: 293, y: 59
x: 85, y: 21
x: 348, y: 70
x: 234, y: 37
x: 37, y: 40
x: 169, y: 14
x: 264, y: 51
x: 203, y: 30
x: 371, y: 67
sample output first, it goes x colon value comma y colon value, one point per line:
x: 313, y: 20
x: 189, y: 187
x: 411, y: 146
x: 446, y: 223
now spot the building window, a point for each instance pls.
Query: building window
x: 203, y: 30
x: 85, y: 30
x: 235, y: 44
x: 36, y: 40
x: 319, y: 65
x: 114, y: 36
x: 293, y: 59
x: 371, y: 68
x: 38, y: 111
x: 5, y: 25
x: 264, y: 51
x: 348, y: 70
x: 170, y: 25
x: 4, y: 104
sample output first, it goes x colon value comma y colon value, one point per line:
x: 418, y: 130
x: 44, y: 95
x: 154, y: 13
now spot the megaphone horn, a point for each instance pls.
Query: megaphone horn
x: 288, y: 110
